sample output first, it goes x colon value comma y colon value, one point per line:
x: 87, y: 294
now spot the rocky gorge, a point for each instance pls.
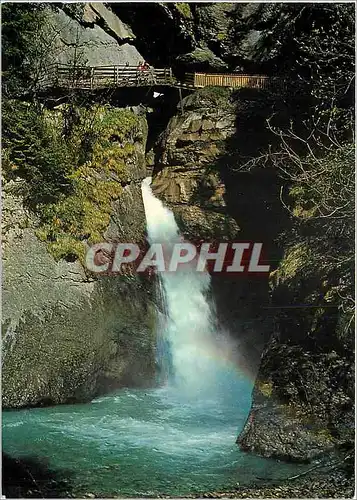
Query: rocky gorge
x: 70, y: 336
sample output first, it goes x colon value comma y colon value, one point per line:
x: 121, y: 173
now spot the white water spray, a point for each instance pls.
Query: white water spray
x: 187, y: 336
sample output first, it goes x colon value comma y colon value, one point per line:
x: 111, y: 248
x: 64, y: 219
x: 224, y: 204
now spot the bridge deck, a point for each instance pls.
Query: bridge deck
x: 100, y: 77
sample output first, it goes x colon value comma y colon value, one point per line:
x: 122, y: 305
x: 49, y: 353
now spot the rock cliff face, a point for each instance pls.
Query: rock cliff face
x: 212, y: 37
x: 186, y: 178
x: 303, y: 401
x: 187, y: 37
x: 68, y: 335
x: 200, y: 36
x: 89, y: 34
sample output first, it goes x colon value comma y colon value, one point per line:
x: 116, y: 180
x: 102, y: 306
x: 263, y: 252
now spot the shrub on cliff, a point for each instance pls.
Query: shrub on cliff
x: 321, y: 202
x: 210, y: 97
x: 314, y: 153
x: 35, y: 152
x: 102, y: 147
x: 21, y: 45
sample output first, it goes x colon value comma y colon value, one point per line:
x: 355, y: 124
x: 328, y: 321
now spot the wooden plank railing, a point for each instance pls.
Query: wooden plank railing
x: 86, y: 77
x: 200, y: 80
x: 97, y: 77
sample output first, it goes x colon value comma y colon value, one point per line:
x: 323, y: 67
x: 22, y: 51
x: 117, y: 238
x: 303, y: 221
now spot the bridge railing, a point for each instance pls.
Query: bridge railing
x: 95, y: 77
x: 200, y: 80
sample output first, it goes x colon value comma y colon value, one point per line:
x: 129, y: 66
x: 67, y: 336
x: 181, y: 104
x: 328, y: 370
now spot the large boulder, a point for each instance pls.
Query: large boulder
x: 202, y: 59
x: 97, y: 38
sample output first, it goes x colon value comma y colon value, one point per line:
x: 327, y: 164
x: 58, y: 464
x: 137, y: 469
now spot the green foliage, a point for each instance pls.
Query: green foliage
x: 266, y: 388
x: 222, y: 36
x: 313, y: 45
x: 85, y: 215
x: 34, y: 152
x: 320, y: 256
x: 210, y: 96
x: 73, y: 171
x: 73, y: 159
x: 21, y: 26
x: 184, y: 9
x: 324, y: 187
x: 216, y: 93
x: 318, y: 266
x: 293, y: 263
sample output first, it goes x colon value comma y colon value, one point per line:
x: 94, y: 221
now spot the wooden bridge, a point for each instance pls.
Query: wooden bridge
x: 100, y: 77
x: 200, y: 80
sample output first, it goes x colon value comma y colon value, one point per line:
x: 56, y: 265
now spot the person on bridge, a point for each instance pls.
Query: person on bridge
x: 147, y: 72
x: 140, y: 73
x: 142, y: 66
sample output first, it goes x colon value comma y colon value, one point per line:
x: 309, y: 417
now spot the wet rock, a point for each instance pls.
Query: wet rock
x: 69, y: 334
x: 303, y: 401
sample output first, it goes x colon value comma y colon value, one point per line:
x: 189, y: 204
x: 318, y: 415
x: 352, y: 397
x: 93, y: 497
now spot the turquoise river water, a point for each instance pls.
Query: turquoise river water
x: 142, y: 443
x: 176, y: 439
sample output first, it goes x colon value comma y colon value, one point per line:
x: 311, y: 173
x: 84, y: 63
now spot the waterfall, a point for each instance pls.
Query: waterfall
x: 189, y: 353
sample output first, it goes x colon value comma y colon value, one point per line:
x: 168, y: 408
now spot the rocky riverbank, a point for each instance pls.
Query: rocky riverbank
x: 333, y: 481
x: 29, y: 479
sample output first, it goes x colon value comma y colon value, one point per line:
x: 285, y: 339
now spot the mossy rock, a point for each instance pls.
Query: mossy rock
x: 210, y: 97
x: 117, y: 142
x: 184, y: 9
x: 294, y: 260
